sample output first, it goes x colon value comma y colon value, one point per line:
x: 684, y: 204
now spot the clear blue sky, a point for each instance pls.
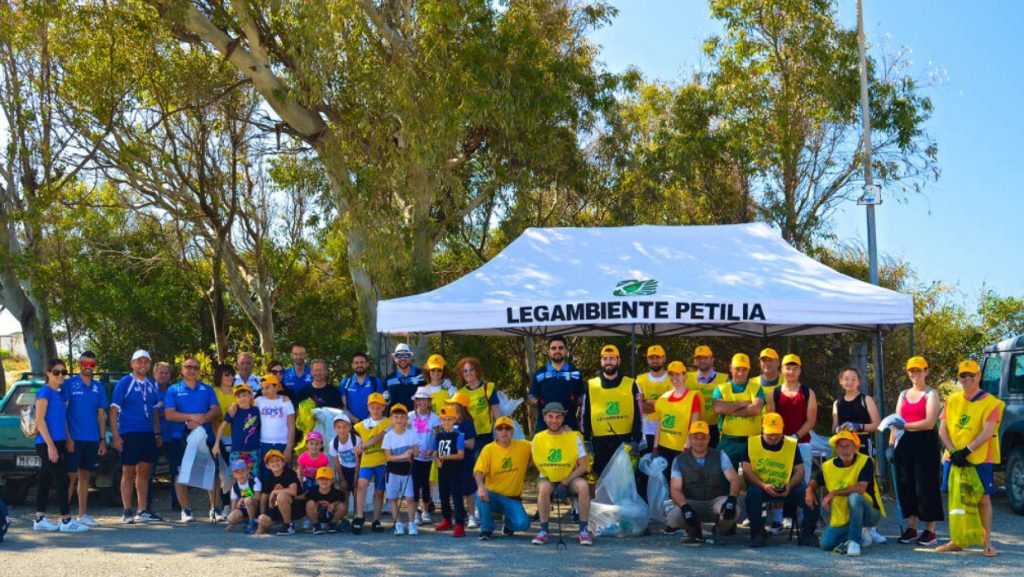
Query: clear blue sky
x: 961, y: 230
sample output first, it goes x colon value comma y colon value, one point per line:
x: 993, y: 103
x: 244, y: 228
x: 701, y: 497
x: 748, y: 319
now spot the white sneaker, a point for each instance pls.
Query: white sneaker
x: 852, y: 549
x: 186, y: 515
x: 399, y: 528
x: 473, y: 522
x: 88, y: 521
x: 426, y: 519
x: 877, y: 537
x: 216, y: 516
x: 72, y: 526
x: 413, y: 530
x: 418, y: 517
x: 865, y: 538
x: 44, y: 525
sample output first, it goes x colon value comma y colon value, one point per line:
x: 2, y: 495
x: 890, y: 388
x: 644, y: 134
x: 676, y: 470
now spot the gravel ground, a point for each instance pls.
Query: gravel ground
x: 171, y: 548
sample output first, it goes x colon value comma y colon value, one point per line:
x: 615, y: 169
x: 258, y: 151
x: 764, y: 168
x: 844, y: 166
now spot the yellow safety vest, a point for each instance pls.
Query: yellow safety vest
x: 965, y: 421
x: 837, y: 478
x: 707, y: 412
x: 675, y: 420
x: 651, y: 390
x: 611, y: 410
x: 480, y: 408
x: 740, y: 426
x: 768, y: 389
x: 772, y: 467
x: 373, y: 455
x: 555, y: 455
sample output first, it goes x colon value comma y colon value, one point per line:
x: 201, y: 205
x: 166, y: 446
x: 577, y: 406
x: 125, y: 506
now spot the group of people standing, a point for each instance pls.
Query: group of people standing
x: 413, y: 429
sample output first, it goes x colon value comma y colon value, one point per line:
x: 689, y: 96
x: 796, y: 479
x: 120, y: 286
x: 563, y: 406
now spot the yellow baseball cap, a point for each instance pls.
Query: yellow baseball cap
x: 376, y: 398
x: 398, y: 408
x: 968, y: 366
x: 448, y: 413
x: 241, y: 387
x: 504, y: 422
x: 435, y: 362
x: 772, y: 424
x: 699, y: 427
x: 845, y: 435
x: 791, y: 359
x: 460, y: 398
x: 270, y: 378
x: 741, y: 360
x: 702, y: 351
x: 271, y: 454
x: 609, y: 350
x: 916, y: 363
x: 769, y: 353
x: 325, y: 473
x: 655, y: 351
x: 676, y: 367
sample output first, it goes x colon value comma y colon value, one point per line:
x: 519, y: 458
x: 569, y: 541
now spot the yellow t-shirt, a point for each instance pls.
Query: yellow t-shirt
x: 373, y: 455
x: 504, y: 469
x: 225, y: 400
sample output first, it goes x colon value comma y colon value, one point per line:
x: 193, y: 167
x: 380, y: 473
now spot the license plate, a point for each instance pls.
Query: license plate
x: 29, y: 461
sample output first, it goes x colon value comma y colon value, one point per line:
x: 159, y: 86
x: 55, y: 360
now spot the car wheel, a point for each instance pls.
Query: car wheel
x: 16, y: 490
x: 1015, y: 479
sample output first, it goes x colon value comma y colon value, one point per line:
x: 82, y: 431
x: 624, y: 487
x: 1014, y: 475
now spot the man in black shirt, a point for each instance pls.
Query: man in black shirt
x: 557, y: 382
x: 611, y: 413
x: 321, y: 392
x: 282, y: 495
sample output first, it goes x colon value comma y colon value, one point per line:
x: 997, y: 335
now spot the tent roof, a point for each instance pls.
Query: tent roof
x: 741, y: 279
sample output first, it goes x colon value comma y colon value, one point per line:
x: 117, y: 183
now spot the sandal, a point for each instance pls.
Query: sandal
x: 948, y: 547
x: 990, y: 552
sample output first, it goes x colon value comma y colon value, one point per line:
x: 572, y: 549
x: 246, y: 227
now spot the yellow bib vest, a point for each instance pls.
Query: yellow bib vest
x: 651, y: 391
x: 768, y: 389
x: 555, y: 455
x: 675, y: 420
x: 772, y: 467
x: 837, y: 478
x: 611, y: 410
x: 965, y: 420
x: 479, y: 407
x: 740, y: 426
x: 707, y: 412
x: 373, y: 455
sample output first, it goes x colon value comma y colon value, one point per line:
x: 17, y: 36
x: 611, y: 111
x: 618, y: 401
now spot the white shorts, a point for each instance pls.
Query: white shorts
x: 398, y: 486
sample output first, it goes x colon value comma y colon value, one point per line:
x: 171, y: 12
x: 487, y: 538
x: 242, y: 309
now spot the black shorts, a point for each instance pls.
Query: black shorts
x: 349, y: 474
x: 139, y: 448
x: 298, y: 511
x: 86, y: 457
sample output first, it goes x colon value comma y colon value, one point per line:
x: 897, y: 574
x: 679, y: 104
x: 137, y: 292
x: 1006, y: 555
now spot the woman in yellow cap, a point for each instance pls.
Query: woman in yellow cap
x: 917, y: 456
x: 438, y: 383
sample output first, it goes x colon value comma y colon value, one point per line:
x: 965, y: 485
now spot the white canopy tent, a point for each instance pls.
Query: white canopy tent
x: 730, y: 280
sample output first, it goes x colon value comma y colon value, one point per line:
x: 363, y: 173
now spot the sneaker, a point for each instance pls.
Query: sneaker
x: 147, y: 516
x: 485, y: 535
x: 776, y: 528
x: 927, y: 538
x: 128, y: 517
x: 250, y: 527
x: 288, y: 529
x: 44, y: 524
x: 841, y: 548
x: 542, y: 538
x: 460, y: 531
x: 444, y: 525
x: 418, y: 518
x: 852, y: 549
x: 865, y: 538
x: 357, y: 525
x: 216, y: 516
x: 506, y: 531
x: 88, y: 521
x: 413, y: 529
x: 877, y: 537
x: 376, y: 527
x: 585, y: 539
x: 72, y: 526
x: 473, y: 522
x: 332, y: 527
x: 307, y: 525
x: 908, y: 536
x: 319, y: 528
x: 425, y: 518
x: 186, y: 515
x: 693, y: 536
x: 345, y: 526
x: 787, y: 523
x: 399, y: 528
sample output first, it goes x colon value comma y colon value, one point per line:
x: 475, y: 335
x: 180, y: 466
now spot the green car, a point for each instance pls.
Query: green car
x: 19, y: 463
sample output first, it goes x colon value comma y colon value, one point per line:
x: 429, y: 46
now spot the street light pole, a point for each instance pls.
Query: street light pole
x: 870, y: 198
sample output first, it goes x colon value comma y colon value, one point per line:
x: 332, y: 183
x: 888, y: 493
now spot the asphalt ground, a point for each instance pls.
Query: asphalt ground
x: 205, y: 549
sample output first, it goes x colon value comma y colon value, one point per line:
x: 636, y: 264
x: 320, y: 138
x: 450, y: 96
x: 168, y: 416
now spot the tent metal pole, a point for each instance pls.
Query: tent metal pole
x: 912, y: 353
x: 531, y: 361
x: 632, y: 349
x: 879, y: 348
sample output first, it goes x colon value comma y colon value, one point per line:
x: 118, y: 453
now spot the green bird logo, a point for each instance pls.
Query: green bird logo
x: 668, y: 422
x: 554, y: 455
x: 506, y: 463
x: 612, y: 409
x: 964, y: 419
x: 635, y: 288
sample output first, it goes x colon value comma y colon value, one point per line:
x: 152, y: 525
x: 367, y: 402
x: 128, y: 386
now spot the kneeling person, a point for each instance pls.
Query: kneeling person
x: 499, y: 472
x: 245, y: 496
x: 852, y: 496
x: 281, y: 501
x: 561, y: 459
x: 704, y: 487
x: 324, y: 503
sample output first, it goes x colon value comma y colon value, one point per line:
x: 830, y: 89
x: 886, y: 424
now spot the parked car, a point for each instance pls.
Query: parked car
x: 19, y: 463
x: 1002, y: 374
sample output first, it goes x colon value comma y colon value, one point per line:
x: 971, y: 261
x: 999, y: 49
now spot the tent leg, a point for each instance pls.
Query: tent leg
x: 530, y: 360
x: 632, y: 349
x: 879, y: 389
x: 912, y: 353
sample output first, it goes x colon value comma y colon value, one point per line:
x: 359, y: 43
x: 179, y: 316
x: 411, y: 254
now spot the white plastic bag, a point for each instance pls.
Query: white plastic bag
x: 508, y: 406
x: 657, y: 489
x: 197, y: 464
x: 619, y: 509
x: 325, y: 423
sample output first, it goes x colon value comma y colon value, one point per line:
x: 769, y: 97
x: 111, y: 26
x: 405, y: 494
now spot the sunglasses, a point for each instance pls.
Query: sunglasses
x: 277, y: 372
x: 468, y: 370
x: 437, y: 370
x: 967, y: 375
x: 87, y: 364
x: 503, y: 428
x: 403, y: 356
x: 59, y: 373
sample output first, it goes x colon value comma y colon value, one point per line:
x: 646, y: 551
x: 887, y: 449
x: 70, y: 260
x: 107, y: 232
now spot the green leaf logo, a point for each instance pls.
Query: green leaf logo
x: 669, y: 422
x: 964, y: 419
x: 612, y: 409
x: 506, y: 463
x: 635, y: 288
x: 555, y: 455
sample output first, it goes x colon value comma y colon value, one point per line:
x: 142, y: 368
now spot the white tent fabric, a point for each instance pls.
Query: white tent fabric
x: 739, y: 279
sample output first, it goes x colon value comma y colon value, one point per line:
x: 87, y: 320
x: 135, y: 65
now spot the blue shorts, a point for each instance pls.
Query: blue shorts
x: 139, y: 448
x: 375, y: 474
x: 986, y: 472
x: 86, y: 457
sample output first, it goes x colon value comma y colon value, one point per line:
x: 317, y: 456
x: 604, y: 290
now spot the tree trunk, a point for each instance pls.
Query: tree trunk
x: 218, y: 312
